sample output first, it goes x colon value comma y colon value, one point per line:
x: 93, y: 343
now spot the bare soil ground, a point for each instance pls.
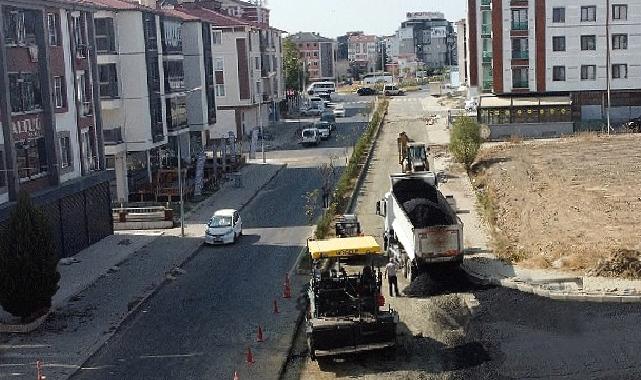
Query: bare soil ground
x: 573, y: 203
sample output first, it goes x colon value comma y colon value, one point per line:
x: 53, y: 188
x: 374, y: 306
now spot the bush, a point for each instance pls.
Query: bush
x: 28, y: 262
x: 465, y: 140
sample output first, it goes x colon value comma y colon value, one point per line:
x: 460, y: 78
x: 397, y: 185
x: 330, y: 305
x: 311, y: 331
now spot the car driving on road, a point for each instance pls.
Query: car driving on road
x: 224, y: 227
x: 324, y: 128
x: 392, y: 90
x: 310, y: 136
x: 366, y: 91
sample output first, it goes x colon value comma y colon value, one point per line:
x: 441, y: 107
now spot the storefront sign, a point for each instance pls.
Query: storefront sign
x: 26, y: 128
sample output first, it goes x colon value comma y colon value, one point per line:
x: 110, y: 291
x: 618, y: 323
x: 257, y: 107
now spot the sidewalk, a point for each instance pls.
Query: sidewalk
x: 481, y: 263
x: 110, y: 280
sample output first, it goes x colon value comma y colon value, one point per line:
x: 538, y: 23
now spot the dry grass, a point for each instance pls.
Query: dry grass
x: 565, y: 204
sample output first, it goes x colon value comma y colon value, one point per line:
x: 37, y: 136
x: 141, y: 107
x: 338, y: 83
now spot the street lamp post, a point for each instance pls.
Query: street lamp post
x: 180, y: 190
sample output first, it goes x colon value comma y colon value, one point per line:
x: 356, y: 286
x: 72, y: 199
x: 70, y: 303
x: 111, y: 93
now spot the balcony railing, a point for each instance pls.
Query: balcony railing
x: 519, y: 25
x: 486, y: 30
x: 487, y: 85
x: 520, y: 54
x: 113, y: 136
x: 486, y: 3
x: 487, y: 56
x: 520, y: 84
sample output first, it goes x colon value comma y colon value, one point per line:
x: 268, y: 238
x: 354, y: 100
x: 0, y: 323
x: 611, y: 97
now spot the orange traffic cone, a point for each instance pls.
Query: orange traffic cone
x: 287, y: 291
x: 39, y: 375
x: 259, y: 336
x: 250, y: 356
x: 276, y: 307
x: 236, y: 377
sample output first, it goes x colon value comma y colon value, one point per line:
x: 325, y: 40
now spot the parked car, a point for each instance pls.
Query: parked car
x: 324, y: 95
x: 310, y: 136
x: 225, y: 227
x: 339, y: 111
x: 366, y: 91
x: 392, y: 90
x: 329, y: 117
x: 308, y: 111
x: 324, y: 128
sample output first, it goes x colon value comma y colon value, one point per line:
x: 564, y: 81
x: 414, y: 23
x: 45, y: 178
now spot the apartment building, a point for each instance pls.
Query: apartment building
x: 52, y: 138
x: 362, y: 50
x: 430, y: 37
x: 573, y: 50
x: 318, y: 54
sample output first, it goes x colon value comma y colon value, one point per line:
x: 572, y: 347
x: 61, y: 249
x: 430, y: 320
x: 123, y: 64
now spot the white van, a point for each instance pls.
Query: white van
x: 310, y: 136
x: 392, y: 90
x: 318, y: 87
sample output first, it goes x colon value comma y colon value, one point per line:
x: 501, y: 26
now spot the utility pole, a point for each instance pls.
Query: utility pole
x: 180, y: 189
x: 607, y: 61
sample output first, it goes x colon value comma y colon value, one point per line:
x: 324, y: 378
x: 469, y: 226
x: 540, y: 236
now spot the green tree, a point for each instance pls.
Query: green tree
x: 465, y: 140
x: 292, y: 65
x: 28, y: 262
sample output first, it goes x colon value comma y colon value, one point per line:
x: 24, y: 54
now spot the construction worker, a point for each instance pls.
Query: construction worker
x: 402, y: 142
x: 392, y: 280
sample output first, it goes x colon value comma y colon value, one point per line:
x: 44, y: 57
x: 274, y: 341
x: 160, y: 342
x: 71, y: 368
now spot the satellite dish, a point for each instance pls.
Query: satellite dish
x: 485, y: 132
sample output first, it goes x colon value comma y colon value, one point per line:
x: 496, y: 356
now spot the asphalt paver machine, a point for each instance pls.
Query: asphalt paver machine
x: 347, y: 312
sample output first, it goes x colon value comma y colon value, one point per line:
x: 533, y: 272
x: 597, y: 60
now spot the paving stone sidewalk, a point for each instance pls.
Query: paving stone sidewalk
x: 483, y: 265
x: 110, y: 280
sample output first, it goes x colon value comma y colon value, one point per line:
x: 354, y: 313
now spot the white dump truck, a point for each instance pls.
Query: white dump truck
x: 421, y: 225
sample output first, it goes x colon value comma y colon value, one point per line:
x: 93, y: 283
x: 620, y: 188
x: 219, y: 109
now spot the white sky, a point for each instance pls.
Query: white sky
x: 332, y: 18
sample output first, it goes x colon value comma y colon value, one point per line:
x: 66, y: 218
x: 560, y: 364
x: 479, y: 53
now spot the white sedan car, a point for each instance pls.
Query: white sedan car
x: 225, y: 227
x: 339, y: 111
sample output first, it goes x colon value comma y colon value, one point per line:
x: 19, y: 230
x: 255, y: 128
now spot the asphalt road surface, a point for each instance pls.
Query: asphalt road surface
x: 200, y: 325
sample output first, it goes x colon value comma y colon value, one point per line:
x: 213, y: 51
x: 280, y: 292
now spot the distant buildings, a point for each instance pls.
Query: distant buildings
x: 434, y: 39
x: 362, y: 51
x: 318, y: 54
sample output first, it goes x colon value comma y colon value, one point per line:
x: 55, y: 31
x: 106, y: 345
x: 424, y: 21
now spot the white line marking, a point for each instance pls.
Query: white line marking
x: 171, y: 356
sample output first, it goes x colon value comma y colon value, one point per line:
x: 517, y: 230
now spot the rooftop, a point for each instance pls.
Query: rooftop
x: 309, y: 37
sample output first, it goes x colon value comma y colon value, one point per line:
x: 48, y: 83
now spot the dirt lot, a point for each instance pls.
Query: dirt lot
x: 569, y: 203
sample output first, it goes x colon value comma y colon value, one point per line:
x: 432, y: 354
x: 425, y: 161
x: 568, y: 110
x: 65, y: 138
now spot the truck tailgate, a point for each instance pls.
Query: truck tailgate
x: 439, y: 241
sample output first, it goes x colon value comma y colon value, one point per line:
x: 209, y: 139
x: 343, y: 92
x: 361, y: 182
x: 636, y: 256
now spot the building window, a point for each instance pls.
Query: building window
x: 257, y: 63
x: 150, y: 32
x: 558, y: 14
x: 217, y: 37
x: 24, y: 91
x: 176, y: 113
x: 105, y: 36
x: 558, y: 73
x: 108, y: 77
x: 219, y: 64
x: 90, y: 156
x: 53, y: 30
x: 220, y: 90
x: 619, y: 41
x: 81, y: 94
x: 172, y: 37
x: 59, y: 92
x: 3, y: 171
x: 619, y: 71
x: 31, y: 158
x: 588, y: 72
x: 520, y: 78
x: 619, y: 12
x: 174, y: 75
x: 519, y: 48
x: 519, y: 19
x: 588, y: 42
x: 20, y: 26
x: 79, y: 37
x: 66, y: 159
x: 558, y: 43
x: 588, y: 13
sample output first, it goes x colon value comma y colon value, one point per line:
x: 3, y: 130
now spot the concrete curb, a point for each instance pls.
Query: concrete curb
x: 114, y: 329
x: 547, y: 290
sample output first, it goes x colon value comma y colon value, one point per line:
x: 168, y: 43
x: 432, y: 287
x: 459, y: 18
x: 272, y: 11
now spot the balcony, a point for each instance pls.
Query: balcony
x: 113, y: 136
x: 519, y: 25
x: 487, y: 85
x: 520, y: 84
x: 487, y: 56
x: 520, y: 54
x: 486, y: 3
x: 486, y: 30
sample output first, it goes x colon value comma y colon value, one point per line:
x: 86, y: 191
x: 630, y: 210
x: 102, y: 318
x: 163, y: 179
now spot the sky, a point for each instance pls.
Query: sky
x: 332, y: 18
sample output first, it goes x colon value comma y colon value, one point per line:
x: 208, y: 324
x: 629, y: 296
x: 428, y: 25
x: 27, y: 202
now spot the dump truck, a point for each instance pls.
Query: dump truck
x: 422, y: 229
x: 346, y: 310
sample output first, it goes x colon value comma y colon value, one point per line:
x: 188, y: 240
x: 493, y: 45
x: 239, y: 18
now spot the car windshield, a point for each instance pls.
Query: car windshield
x: 308, y: 133
x: 220, y: 221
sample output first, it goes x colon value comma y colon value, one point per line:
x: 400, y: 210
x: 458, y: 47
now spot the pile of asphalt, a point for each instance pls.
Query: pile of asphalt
x: 423, y: 203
